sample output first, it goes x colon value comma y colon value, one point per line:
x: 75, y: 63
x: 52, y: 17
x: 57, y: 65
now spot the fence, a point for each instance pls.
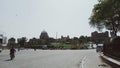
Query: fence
x: 112, y: 49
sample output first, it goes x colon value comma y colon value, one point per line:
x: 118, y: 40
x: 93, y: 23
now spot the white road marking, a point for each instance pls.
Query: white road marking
x: 82, y: 62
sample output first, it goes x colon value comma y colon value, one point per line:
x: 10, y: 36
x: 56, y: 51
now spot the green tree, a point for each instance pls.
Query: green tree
x: 82, y: 39
x: 33, y: 41
x: 11, y: 42
x: 22, y: 41
x: 106, y: 14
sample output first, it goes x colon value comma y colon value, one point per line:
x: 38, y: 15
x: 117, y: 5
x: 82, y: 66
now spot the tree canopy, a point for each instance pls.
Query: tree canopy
x: 106, y: 14
x: 22, y: 41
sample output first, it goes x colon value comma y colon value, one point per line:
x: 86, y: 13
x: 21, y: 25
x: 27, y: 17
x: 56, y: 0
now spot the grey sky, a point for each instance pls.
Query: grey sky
x: 29, y: 17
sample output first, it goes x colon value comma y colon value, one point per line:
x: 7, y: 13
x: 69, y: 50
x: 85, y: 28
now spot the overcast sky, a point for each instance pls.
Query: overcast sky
x: 28, y: 18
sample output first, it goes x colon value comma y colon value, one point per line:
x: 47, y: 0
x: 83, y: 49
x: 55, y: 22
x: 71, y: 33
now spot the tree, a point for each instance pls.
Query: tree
x: 33, y: 41
x: 106, y: 14
x: 22, y: 41
x: 11, y: 42
x: 82, y: 39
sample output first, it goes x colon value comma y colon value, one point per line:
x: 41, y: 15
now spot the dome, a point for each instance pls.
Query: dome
x: 44, y: 31
x: 44, y: 35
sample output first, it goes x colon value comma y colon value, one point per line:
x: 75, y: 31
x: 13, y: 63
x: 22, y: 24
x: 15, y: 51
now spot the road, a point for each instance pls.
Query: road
x: 52, y: 59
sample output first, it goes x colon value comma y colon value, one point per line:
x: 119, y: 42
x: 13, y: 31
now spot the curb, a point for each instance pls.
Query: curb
x: 111, y: 60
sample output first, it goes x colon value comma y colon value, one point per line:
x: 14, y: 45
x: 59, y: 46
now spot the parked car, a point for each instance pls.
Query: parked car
x: 99, y: 48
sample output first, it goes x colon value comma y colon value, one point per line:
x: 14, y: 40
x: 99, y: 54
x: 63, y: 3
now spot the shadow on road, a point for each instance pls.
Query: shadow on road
x: 8, y: 60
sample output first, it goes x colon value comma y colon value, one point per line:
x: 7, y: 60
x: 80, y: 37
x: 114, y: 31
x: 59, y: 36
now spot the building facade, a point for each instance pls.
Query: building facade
x: 3, y: 39
x: 99, y: 37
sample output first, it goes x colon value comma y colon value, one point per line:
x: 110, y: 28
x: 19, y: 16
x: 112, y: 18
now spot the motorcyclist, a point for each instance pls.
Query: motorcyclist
x: 12, y: 53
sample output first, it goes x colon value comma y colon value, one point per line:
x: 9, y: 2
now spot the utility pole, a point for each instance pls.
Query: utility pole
x: 56, y: 38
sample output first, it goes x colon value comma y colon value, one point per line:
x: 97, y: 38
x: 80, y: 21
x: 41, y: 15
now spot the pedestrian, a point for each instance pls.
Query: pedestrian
x: 12, y: 53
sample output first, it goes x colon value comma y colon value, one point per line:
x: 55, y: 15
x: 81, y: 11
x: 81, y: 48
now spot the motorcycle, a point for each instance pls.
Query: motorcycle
x: 12, y: 56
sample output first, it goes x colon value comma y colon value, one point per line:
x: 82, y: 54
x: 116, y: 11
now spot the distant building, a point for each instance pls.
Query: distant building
x: 44, y: 35
x: 1, y: 40
x: 99, y: 37
x: 4, y: 40
x: 44, y: 38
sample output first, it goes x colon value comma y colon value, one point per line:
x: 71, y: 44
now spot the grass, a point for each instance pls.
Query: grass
x: 68, y: 46
x: 64, y: 45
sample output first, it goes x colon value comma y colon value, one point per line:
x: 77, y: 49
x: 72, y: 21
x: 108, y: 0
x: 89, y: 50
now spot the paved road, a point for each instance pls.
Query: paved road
x: 52, y: 59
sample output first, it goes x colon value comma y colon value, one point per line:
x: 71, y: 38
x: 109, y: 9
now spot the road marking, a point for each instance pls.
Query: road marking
x: 82, y: 62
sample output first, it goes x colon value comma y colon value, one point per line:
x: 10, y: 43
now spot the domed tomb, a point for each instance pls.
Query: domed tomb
x: 44, y: 35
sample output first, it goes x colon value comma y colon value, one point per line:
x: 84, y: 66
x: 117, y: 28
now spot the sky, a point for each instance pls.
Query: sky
x: 28, y: 18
